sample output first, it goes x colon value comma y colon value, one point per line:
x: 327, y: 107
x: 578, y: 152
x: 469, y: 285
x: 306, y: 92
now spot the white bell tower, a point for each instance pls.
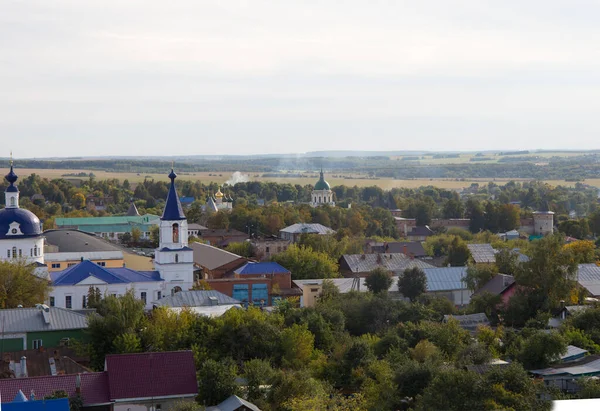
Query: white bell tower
x: 173, y: 259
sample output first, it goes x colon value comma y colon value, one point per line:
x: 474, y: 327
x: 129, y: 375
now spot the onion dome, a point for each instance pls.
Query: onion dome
x: 219, y: 194
x: 12, y: 178
x: 322, y: 184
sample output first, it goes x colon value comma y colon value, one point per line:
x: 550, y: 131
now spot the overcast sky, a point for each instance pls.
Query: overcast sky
x: 148, y: 77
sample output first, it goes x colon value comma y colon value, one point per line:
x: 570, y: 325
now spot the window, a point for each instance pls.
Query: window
x: 7, y: 253
x: 20, y: 253
x: 14, y: 252
x: 101, y: 263
x: 31, y: 252
x: 267, y: 249
x: 70, y: 264
x: 278, y: 248
x: 143, y: 296
x: 158, y: 295
x: 36, y: 344
x: 84, y: 302
x: 35, y: 251
x: 52, y: 303
x: 260, y: 294
x: 12, y: 201
x: 68, y: 302
x: 240, y: 292
x: 176, y: 258
x: 175, y: 233
x: 55, y: 265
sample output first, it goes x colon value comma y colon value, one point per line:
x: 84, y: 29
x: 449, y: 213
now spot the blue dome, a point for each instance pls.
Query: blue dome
x: 29, y: 224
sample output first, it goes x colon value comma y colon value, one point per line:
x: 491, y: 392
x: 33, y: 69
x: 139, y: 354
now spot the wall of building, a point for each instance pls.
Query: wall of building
x: 264, y: 250
x: 77, y: 292
x: 51, y: 339
x: 13, y: 342
x: 225, y: 286
x: 25, y: 249
x: 57, y: 265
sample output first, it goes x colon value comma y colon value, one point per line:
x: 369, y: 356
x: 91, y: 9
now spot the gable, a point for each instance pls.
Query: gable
x: 91, y: 280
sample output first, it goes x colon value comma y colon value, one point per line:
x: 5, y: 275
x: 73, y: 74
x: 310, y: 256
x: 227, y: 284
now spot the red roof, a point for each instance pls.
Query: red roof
x: 155, y: 374
x: 94, y: 386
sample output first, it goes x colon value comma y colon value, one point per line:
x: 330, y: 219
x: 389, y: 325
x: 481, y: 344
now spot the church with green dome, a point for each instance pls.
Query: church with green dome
x: 322, y: 193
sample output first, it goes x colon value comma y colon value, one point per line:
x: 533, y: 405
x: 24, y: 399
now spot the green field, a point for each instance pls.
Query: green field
x: 223, y: 177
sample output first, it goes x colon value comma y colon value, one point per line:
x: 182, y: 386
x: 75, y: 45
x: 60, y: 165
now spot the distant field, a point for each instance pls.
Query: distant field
x: 223, y: 177
x: 491, y: 157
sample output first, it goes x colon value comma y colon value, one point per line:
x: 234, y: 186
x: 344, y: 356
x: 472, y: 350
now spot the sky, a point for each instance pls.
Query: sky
x: 196, y: 77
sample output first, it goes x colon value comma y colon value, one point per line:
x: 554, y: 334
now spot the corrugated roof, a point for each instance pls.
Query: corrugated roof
x: 212, y: 257
x: 588, y: 276
x: 38, y: 362
x: 154, y: 374
x: 398, y: 262
x: 573, y: 351
x: 94, y: 386
x: 497, y: 284
x: 309, y: 228
x: 589, y: 365
x: 266, y: 267
x: 470, y: 321
x: 420, y: 231
x: 74, y: 241
x: 195, y: 298
x: 19, y: 320
x: 482, y: 253
x: 79, y: 272
x: 234, y: 403
x: 96, y: 221
x: 446, y: 278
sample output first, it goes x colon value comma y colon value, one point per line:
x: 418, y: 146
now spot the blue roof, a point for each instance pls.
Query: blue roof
x: 187, y: 200
x: 445, y: 278
x: 20, y: 397
x: 261, y: 268
x: 28, y: 222
x: 173, y: 209
x: 77, y: 273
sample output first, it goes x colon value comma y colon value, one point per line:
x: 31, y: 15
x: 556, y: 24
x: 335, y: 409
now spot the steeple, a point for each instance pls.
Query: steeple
x: 173, y: 210
x: 12, y: 192
x: 132, y: 211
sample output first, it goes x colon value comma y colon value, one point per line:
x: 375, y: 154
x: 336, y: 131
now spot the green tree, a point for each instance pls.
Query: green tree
x: 94, y: 296
x: 304, y: 263
x: 19, y: 284
x: 216, y: 381
x: 155, y: 235
x: 458, y: 253
x: 452, y: 390
x: 297, y: 344
x: 379, y: 280
x: 541, y: 349
x: 243, y: 249
x: 259, y: 374
x: 507, y: 261
x: 412, y: 283
x: 127, y: 343
x: 136, y: 235
x: 478, y: 275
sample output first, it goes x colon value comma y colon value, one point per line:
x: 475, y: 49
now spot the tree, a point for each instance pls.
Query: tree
x: 379, y: 280
x: 582, y: 251
x: 136, y: 235
x: 155, y: 235
x: 540, y: 349
x: 412, y: 283
x: 453, y: 208
x: 216, y: 381
x: 78, y: 201
x: 452, y: 390
x: 297, y: 344
x: 259, y: 374
x: 20, y: 286
x: 304, y: 263
x: 243, y: 249
x: 478, y: 275
x: 476, y: 215
x: 94, y: 296
x: 458, y: 253
x: 507, y: 261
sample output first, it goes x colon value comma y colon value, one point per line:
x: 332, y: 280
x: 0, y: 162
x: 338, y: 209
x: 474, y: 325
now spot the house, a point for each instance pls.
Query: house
x: 496, y: 285
x: 154, y: 380
x: 565, y: 375
x: 234, y: 403
x: 41, y: 326
x: 194, y: 229
x: 212, y: 262
x: 469, y: 321
x: 573, y: 353
x: 260, y: 283
x: 222, y: 237
x: 111, y: 228
x: 510, y: 235
x: 210, y: 303
x: 311, y: 289
x: 409, y: 248
x: 448, y: 282
x: 482, y: 253
x: 294, y: 232
x: 419, y: 233
x: 40, y: 363
x: 265, y: 248
x: 362, y: 264
x: 22, y: 403
x: 70, y: 287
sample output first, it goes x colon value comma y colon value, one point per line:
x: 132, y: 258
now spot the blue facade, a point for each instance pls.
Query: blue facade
x: 61, y: 404
x: 240, y: 292
x: 260, y: 294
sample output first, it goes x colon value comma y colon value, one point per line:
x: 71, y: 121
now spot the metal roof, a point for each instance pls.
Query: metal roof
x: 266, y: 267
x: 573, y: 351
x: 99, y: 221
x: 173, y: 210
x: 234, y: 403
x: 196, y: 298
x: 589, y: 365
x: 497, y: 284
x: 469, y: 320
x: 397, y: 262
x: 212, y: 257
x: 75, y: 241
x: 23, y: 320
x: 312, y: 228
x: 446, y: 278
x: 482, y: 253
x: 588, y: 276
x: 79, y: 272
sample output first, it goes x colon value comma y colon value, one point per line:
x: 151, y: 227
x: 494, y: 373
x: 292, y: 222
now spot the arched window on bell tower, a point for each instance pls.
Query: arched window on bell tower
x: 175, y: 233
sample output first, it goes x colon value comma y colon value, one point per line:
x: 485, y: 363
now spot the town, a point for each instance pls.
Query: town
x: 355, y: 298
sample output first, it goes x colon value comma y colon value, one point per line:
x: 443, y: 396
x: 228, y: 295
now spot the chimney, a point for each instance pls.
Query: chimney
x: 405, y: 249
x: 78, y: 384
x: 23, y: 367
x: 124, y: 265
x: 32, y: 396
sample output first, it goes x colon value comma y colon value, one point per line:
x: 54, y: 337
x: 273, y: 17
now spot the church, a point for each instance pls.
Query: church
x: 21, y: 236
x: 322, y: 193
x: 219, y: 202
x: 173, y: 267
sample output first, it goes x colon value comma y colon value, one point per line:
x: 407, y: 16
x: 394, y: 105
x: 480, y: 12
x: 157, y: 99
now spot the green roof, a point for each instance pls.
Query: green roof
x: 114, y: 228
x: 102, y: 221
x: 322, y: 184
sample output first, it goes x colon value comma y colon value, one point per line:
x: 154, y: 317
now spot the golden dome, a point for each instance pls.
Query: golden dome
x: 219, y: 193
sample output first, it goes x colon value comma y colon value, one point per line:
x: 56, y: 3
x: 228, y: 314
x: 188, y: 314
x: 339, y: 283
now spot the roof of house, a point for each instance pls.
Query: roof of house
x: 79, y: 272
x: 194, y: 226
x: 267, y: 267
x: 153, y: 374
x: 470, y: 321
x: 75, y: 241
x: 414, y: 248
x: 101, y: 221
x: 94, y: 386
x: 589, y: 365
x: 46, y: 362
x: 344, y: 285
x: 221, y: 232
x: 233, y: 403
x: 496, y: 285
x: 44, y: 318
x: 132, y: 211
x: 445, y: 278
x: 308, y: 228
x: 482, y: 253
x: 360, y: 263
x: 196, y: 298
x: 212, y: 257
x: 420, y: 231
x: 588, y: 276
x: 573, y: 351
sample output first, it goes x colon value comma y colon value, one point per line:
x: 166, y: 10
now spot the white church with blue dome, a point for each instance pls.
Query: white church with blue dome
x: 173, y: 267
x: 21, y: 236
